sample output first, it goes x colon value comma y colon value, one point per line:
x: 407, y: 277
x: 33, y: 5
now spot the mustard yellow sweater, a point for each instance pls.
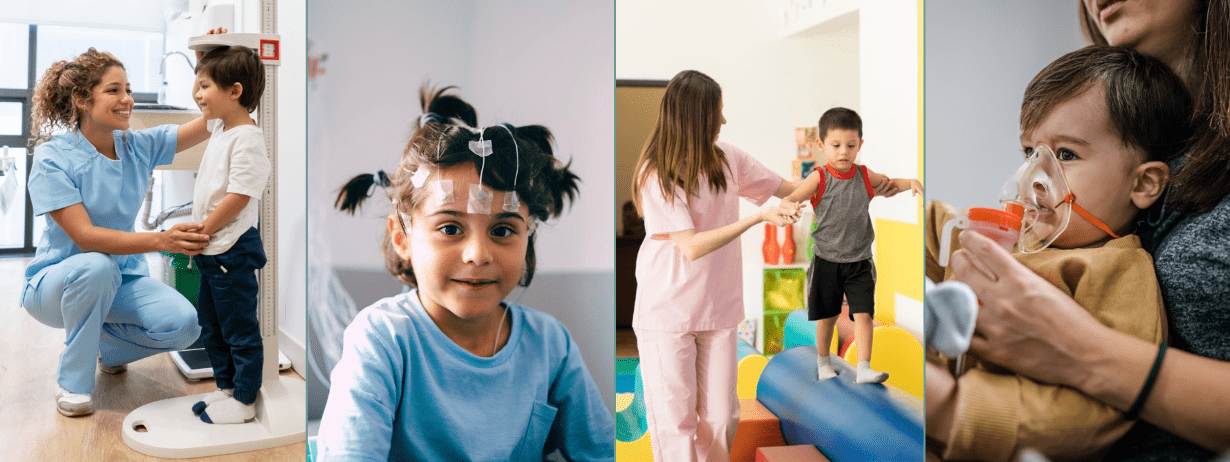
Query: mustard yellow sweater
x: 999, y: 413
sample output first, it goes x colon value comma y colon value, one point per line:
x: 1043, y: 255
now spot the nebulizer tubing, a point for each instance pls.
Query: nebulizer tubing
x: 171, y: 212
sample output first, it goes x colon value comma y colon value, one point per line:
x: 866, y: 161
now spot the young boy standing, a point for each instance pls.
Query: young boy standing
x: 841, y: 192
x: 229, y: 184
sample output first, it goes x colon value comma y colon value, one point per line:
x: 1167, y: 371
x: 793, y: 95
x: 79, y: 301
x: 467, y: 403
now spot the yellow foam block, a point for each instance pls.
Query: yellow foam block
x: 623, y: 400
x: 899, y: 265
x: 750, y: 368
x: 636, y: 451
x: 895, y: 350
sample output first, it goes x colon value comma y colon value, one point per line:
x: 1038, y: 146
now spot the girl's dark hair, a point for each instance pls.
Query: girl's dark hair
x: 681, y: 150
x: 54, y: 108
x: 1147, y: 106
x: 1204, y: 178
x: 442, y: 140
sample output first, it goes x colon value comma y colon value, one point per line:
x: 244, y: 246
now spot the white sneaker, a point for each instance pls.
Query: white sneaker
x: 73, y: 404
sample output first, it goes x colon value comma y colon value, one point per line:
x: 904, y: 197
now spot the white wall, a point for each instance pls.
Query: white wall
x: 539, y: 63
x: 292, y: 181
x: 771, y: 84
x: 890, y: 73
x: 552, y: 66
x: 113, y: 14
x: 980, y: 57
x: 378, y: 54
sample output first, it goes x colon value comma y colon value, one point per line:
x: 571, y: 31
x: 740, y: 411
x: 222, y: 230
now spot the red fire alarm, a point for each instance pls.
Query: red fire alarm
x: 269, y: 49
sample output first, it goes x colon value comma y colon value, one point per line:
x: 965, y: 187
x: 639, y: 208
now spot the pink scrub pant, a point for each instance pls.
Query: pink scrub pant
x: 690, y: 393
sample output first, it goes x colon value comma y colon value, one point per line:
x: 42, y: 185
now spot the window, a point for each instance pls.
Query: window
x: 21, y: 64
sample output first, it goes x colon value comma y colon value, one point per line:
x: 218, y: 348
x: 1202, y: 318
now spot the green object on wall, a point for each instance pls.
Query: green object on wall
x: 811, y: 240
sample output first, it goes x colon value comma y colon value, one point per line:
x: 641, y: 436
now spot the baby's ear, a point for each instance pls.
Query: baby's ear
x: 236, y: 90
x: 1150, y: 181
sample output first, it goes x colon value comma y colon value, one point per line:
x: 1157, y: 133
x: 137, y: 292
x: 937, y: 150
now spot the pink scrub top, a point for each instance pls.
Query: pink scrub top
x: 675, y: 295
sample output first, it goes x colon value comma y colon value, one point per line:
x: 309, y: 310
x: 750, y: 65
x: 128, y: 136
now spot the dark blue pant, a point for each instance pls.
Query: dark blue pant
x: 227, y: 312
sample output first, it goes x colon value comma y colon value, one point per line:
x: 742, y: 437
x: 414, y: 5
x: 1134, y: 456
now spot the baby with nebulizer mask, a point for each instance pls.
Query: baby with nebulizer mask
x: 1098, y: 126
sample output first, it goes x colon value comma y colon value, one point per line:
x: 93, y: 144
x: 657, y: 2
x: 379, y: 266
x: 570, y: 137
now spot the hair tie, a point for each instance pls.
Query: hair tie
x: 430, y: 117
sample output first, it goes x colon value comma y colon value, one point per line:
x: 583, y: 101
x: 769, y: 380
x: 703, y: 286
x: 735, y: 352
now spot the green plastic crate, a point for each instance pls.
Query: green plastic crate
x: 185, y: 280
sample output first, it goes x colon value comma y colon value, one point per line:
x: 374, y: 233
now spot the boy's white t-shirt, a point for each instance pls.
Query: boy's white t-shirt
x: 234, y: 162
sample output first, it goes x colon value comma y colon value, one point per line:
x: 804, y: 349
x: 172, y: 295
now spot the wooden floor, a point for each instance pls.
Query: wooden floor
x: 30, y: 427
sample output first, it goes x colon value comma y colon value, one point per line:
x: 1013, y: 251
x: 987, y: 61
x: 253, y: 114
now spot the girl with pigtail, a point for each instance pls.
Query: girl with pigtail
x: 448, y: 370
x: 89, y: 276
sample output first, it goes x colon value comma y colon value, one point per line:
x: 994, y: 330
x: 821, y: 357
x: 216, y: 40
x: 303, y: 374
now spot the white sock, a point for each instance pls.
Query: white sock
x: 228, y: 411
x: 218, y: 395
x: 824, y: 367
x: 867, y: 375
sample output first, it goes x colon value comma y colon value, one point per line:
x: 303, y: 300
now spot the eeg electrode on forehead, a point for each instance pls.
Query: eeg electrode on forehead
x: 480, y: 196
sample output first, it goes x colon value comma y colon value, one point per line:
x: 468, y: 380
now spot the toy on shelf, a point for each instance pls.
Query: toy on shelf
x: 788, y: 246
x: 770, y: 249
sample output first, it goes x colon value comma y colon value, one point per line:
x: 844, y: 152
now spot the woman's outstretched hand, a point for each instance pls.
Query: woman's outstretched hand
x: 779, y: 216
x: 886, y: 189
x: 792, y: 209
x: 184, y: 238
x: 1025, y: 324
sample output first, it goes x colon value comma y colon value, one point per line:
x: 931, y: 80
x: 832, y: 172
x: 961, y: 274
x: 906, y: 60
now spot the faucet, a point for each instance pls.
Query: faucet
x: 162, y: 69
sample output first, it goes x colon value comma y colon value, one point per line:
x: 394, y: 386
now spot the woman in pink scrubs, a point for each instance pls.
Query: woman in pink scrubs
x: 689, y: 271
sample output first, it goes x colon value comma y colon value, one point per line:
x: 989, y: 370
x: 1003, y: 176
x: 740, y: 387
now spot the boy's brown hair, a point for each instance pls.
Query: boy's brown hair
x: 839, y: 118
x: 227, y: 66
x: 1147, y: 104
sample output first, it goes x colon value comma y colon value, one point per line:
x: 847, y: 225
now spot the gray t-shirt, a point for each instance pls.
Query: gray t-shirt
x: 843, y: 231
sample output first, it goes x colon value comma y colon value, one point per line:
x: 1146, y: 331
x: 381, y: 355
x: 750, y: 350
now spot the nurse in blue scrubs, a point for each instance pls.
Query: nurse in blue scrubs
x: 89, y: 276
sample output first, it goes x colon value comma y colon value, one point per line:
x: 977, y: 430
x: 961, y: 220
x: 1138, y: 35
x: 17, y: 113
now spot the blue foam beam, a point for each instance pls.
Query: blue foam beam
x: 844, y: 420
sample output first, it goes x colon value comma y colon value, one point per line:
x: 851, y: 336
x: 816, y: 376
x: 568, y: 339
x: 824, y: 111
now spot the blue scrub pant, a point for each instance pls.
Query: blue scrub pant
x: 227, y: 307
x: 123, y: 318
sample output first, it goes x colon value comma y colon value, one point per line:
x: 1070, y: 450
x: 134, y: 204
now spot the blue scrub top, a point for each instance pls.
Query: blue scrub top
x: 69, y: 170
x: 404, y: 391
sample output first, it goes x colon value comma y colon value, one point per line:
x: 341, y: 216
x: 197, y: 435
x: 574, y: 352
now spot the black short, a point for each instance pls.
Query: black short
x: 828, y: 281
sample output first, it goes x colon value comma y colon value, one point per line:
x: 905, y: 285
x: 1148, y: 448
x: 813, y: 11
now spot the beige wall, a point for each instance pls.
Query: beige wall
x: 636, y: 112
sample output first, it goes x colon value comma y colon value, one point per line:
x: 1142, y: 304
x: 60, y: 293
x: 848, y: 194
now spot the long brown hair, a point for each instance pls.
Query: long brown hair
x: 54, y: 108
x: 1204, y: 178
x: 682, y: 149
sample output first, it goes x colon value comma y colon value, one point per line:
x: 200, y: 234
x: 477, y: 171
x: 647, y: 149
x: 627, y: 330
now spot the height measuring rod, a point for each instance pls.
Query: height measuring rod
x: 166, y: 428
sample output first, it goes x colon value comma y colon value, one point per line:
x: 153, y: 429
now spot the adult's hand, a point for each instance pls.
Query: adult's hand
x: 778, y: 216
x: 885, y: 189
x: 184, y: 238
x: 1025, y: 324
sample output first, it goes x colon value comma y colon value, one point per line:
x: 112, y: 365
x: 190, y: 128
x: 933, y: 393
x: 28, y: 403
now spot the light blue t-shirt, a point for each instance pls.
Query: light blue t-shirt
x: 405, y: 391
x: 68, y: 170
